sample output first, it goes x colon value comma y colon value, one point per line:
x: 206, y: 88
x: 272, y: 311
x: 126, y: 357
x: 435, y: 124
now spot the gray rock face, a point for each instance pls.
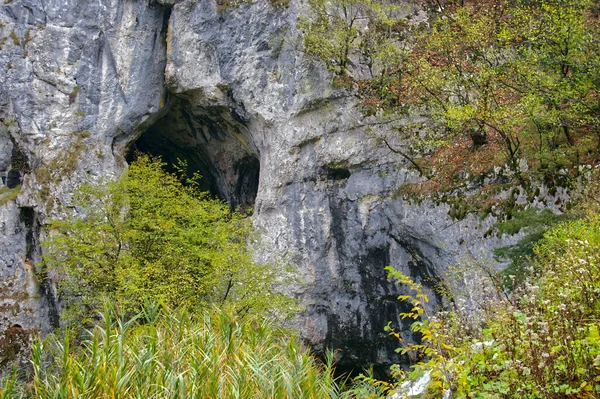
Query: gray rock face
x: 83, y: 81
x: 77, y: 77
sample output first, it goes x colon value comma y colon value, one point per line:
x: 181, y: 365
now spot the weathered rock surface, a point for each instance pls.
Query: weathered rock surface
x: 76, y: 77
x: 83, y: 81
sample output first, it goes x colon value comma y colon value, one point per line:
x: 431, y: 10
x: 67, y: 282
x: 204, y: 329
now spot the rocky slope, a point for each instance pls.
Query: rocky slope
x: 85, y: 81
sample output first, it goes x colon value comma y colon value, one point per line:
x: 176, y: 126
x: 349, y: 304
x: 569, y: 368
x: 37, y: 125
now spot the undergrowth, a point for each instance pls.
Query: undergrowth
x: 541, y: 340
x: 176, y: 354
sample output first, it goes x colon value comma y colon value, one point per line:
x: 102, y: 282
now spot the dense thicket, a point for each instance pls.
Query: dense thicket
x: 540, y: 341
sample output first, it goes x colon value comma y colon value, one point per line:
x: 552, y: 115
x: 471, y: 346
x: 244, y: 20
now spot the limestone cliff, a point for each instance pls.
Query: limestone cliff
x: 84, y: 81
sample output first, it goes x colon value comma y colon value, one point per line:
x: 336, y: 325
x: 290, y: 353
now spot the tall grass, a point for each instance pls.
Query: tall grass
x: 158, y: 354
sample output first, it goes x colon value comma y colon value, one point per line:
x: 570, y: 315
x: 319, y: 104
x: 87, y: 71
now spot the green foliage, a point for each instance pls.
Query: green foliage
x: 337, y: 31
x: 331, y: 36
x: 223, y: 5
x: 280, y: 3
x: 18, y: 159
x: 60, y: 168
x: 546, y: 340
x: 9, y: 388
x: 524, y: 71
x: 337, y: 170
x: 366, y: 386
x: 454, y: 74
x: 434, y: 347
x: 534, y: 223
x: 7, y: 195
x: 15, y: 38
x: 517, y: 80
x: 147, y: 236
x: 542, y: 341
x: 176, y: 354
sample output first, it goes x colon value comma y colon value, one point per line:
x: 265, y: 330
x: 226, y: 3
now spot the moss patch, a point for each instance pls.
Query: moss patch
x: 15, y: 38
x: 60, y: 168
x: 7, y: 195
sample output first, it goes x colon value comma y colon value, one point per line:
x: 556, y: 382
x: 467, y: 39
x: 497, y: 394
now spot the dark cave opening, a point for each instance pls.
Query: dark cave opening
x: 155, y: 143
x: 213, y: 142
x: 246, y: 187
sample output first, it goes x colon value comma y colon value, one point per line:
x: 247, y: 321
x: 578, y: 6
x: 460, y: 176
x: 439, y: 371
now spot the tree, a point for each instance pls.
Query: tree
x: 456, y: 72
x: 331, y: 33
x: 520, y: 73
x: 525, y: 71
x: 555, y: 70
x: 366, y: 31
x: 147, y: 236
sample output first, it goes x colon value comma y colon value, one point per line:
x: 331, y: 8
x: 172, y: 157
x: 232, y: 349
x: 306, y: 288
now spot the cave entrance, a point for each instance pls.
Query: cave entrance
x: 212, y: 141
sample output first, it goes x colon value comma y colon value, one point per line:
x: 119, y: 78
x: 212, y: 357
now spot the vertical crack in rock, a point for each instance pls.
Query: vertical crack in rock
x: 33, y: 255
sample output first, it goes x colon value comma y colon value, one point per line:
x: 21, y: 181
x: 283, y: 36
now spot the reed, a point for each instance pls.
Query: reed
x: 162, y: 354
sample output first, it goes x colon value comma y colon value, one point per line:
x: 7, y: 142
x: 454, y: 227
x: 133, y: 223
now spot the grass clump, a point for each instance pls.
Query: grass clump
x: 15, y: 38
x: 224, y: 5
x: 7, y: 195
x: 178, y: 354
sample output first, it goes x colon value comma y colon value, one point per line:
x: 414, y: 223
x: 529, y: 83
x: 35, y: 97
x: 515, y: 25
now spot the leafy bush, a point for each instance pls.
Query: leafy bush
x: 147, y: 236
x: 334, y: 33
x: 534, y: 223
x: 145, y: 239
x: 178, y: 354
x: 543, y: 341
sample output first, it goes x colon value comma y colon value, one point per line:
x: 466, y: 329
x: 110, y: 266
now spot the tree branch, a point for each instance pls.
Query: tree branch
x: 406, y: 156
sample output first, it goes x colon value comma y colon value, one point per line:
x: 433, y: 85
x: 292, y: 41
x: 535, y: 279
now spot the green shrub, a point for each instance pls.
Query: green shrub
x: 333, y: 32
x: 543, y: 341
x: 147, y: 236
x: 534, y: 223
x: 7, y: 195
